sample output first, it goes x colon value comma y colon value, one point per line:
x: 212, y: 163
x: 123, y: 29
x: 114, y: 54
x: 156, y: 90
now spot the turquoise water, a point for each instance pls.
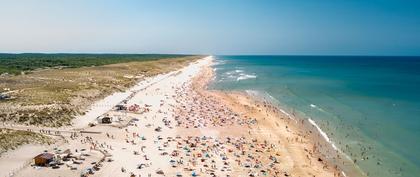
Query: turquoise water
x: 368, y: 106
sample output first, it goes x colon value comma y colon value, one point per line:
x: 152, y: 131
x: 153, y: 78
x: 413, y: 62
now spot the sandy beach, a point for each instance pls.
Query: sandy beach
x: 171, y: 125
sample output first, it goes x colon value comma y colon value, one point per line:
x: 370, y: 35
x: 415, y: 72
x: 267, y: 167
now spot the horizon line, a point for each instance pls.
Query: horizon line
x: 123, y: 53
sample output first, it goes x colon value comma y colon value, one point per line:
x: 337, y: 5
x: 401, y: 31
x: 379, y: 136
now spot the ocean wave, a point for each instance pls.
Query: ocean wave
x: 246, y: 76
x: 229, y: 73
x: 219, y: 62
x: 316, y: 107
x: 321, y: 132
x: 239, y: 75
x: 287, y: 114
x: 266, y: 95
x: 325, y: 136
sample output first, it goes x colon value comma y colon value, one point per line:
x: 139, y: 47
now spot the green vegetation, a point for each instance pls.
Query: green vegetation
x: 53, y: 97
x: 11, y: 139
x: 16, y: 63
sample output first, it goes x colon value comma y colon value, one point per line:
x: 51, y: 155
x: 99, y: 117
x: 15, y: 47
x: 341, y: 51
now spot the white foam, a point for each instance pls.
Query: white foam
x: 287, y: 114
x: 316, y: 107
x: 245, y: 77
x: 229, y: 73
x: 323, y: 134
x: 219, y: 62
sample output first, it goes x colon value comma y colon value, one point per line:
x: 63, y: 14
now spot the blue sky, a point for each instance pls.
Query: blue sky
x: 306, y: 27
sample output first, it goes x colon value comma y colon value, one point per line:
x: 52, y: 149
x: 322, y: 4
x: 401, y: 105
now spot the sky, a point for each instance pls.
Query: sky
x: 220, y: 27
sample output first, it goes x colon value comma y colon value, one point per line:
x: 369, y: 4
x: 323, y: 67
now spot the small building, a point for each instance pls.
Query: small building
x: 106, y: 120
x: 43, y: 159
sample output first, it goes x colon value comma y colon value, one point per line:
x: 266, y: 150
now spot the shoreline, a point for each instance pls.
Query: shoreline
x: 318, y: 137
x: 284, y: 116
x: 328, y: 149
x: 334, y: 155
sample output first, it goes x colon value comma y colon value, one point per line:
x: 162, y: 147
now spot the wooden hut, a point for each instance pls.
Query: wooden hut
x: 43, y: 159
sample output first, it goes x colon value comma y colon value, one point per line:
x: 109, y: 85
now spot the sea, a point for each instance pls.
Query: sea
x: 368, y: 107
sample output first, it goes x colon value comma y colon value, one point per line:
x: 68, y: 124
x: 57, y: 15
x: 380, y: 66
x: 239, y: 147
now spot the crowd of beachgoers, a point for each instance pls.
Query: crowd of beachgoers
x: 186, y: 131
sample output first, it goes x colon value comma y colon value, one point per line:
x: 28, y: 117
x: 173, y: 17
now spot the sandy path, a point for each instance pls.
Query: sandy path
x: 17, y: 159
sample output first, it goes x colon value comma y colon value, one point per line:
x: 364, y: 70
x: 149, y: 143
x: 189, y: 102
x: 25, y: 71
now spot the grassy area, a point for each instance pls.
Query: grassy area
x: 53, y: 97
x: 11, y: 139
x: 17, y: 63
